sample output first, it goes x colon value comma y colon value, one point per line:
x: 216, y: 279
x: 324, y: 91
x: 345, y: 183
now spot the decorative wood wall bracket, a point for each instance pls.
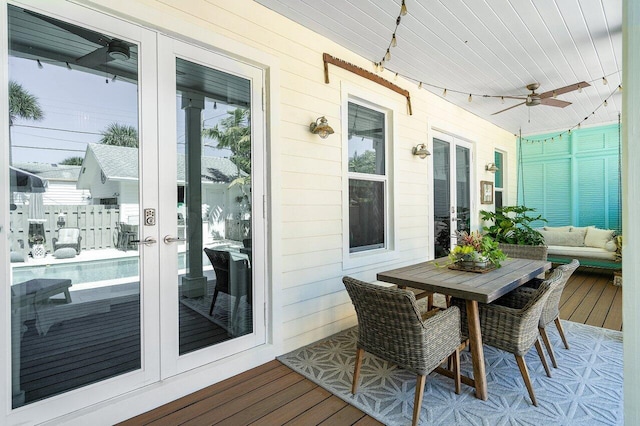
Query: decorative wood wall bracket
x: 328, y: 59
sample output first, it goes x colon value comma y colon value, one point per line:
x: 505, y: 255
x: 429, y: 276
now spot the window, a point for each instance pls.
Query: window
x: 368, y: 180
x: 499, y: 179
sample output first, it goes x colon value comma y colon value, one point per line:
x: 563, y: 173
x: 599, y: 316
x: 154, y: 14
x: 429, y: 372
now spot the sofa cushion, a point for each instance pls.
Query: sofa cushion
x: 563, y: 238
x: 598, y: 237
x: 581, y: 252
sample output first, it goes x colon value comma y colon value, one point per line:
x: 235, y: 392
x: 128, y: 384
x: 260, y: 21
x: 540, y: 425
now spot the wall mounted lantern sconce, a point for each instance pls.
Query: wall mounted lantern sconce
x: 421, y: 151
x: 491, y: 167
x: 321, y: 128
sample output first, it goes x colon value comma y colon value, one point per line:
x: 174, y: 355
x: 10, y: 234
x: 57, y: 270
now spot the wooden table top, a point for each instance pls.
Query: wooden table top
x: 484, y: 288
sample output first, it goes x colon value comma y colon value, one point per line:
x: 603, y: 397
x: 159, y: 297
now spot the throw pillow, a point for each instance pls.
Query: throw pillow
x: 611, y: 246
x: 65, y: 253
x: 582, y: 230
x: 16, y: 256
x: 598, y: 237
x: 562, y: 238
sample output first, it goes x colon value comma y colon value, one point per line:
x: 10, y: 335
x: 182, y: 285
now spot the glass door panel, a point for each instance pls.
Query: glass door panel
x: 463, y: 189
x: 214, y: 190
x: 211, y: 273
x: 451, y: 192
x: 441, y: 198
x: 75, y: 191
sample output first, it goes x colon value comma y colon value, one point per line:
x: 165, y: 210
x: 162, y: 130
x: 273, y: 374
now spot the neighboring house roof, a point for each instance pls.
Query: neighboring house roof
x: 51, y: 171
x: 121, y: 163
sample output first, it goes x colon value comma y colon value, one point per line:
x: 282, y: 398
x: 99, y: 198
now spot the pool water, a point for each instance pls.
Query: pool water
x: 88, y: 272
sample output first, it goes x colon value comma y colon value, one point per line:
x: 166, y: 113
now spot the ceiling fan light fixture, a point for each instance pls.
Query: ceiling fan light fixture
x: 118, y: 50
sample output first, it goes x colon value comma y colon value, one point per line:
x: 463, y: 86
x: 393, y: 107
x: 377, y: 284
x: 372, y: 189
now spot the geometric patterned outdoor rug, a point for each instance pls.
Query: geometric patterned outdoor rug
x: 585, y: 389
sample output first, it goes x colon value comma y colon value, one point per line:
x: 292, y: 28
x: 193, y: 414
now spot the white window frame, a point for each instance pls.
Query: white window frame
x: 390, y: 250
x: 504, y: 176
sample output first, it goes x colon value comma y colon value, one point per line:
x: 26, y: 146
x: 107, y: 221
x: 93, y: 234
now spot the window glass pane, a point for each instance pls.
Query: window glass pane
x: 214, y: 206
x: 499, y: 173
x: 366, y: 140
x: 366, y: 215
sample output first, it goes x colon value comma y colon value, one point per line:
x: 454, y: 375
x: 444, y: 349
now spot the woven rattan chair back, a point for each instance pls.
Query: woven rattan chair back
x: 551, y: 309
x: 390, y: 326
x: 519, y: 251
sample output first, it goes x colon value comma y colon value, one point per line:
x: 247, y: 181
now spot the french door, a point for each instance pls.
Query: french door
x: 211, y: 130
x: 451, y: 191
x: 151, y: 261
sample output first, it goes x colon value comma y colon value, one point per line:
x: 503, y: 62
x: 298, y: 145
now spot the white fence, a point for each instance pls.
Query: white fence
x: 97, y: 225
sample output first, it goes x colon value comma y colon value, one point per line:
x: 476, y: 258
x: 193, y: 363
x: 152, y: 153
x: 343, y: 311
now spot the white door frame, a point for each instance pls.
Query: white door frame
x: 170, y: 49
x: 454, y: 141
x: 62, y: 404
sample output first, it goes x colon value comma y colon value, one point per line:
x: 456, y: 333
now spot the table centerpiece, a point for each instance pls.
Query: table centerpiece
x: 475, y: 252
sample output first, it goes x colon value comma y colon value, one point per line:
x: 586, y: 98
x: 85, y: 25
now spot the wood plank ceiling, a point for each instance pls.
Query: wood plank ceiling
x: 486, y: 47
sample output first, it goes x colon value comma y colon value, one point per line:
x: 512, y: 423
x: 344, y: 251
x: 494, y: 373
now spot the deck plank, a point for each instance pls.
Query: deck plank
x: 294, y: 408
x: 613, y: 320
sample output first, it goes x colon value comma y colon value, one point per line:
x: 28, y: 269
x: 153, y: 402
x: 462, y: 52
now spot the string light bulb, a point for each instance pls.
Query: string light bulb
x: 555, y: 95
x: 604, y: 81
x: 444, y: 93
x: 619, y: 87
x: 39, y: 63
x: 387, y: 56
x: 420, y: 85
x: 470, y: 98
x: 502, y: 99
x: 68, y: 66
x: 394, y: 41
x: 579, y: 89
x: 403, y: 9
x: 396, y: 77
x: 605, y: 103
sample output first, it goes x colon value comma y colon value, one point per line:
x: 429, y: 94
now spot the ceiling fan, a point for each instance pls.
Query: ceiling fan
x: 111, y: 49
x: 546, y: 98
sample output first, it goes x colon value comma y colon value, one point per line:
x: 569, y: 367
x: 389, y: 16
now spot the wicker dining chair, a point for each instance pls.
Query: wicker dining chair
x: 390, y: 326
x: 550, y: 312
x: 514, y: 330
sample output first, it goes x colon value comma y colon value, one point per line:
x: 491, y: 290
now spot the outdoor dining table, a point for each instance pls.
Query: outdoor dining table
x: 474, y: 288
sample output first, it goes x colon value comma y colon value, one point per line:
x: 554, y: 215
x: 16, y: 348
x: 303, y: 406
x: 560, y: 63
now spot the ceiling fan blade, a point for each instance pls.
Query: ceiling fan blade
x: 522, y: 98
x: 88, y: 35
x: 507, y: 109
x: 554, y: 102
x: 97, y: 57
x: 566, y: 89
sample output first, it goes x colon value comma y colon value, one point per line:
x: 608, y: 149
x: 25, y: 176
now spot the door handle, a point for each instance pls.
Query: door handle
x: 147, y: 241
x: 168, y: 239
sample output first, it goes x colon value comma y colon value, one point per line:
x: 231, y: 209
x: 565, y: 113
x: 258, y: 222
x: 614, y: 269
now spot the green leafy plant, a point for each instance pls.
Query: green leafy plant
x: 512, y: 225
x: 475, y: 247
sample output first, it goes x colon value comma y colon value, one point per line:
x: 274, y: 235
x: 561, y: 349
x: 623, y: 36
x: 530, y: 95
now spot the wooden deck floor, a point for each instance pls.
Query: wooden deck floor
x: 273, y: 394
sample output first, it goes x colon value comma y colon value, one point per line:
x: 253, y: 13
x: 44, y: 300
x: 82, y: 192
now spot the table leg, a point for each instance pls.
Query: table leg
x: 477, y: 354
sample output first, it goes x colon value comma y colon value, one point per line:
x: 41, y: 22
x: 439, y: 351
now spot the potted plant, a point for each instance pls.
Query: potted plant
x: 477, y: 251
x: 511, y: 228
